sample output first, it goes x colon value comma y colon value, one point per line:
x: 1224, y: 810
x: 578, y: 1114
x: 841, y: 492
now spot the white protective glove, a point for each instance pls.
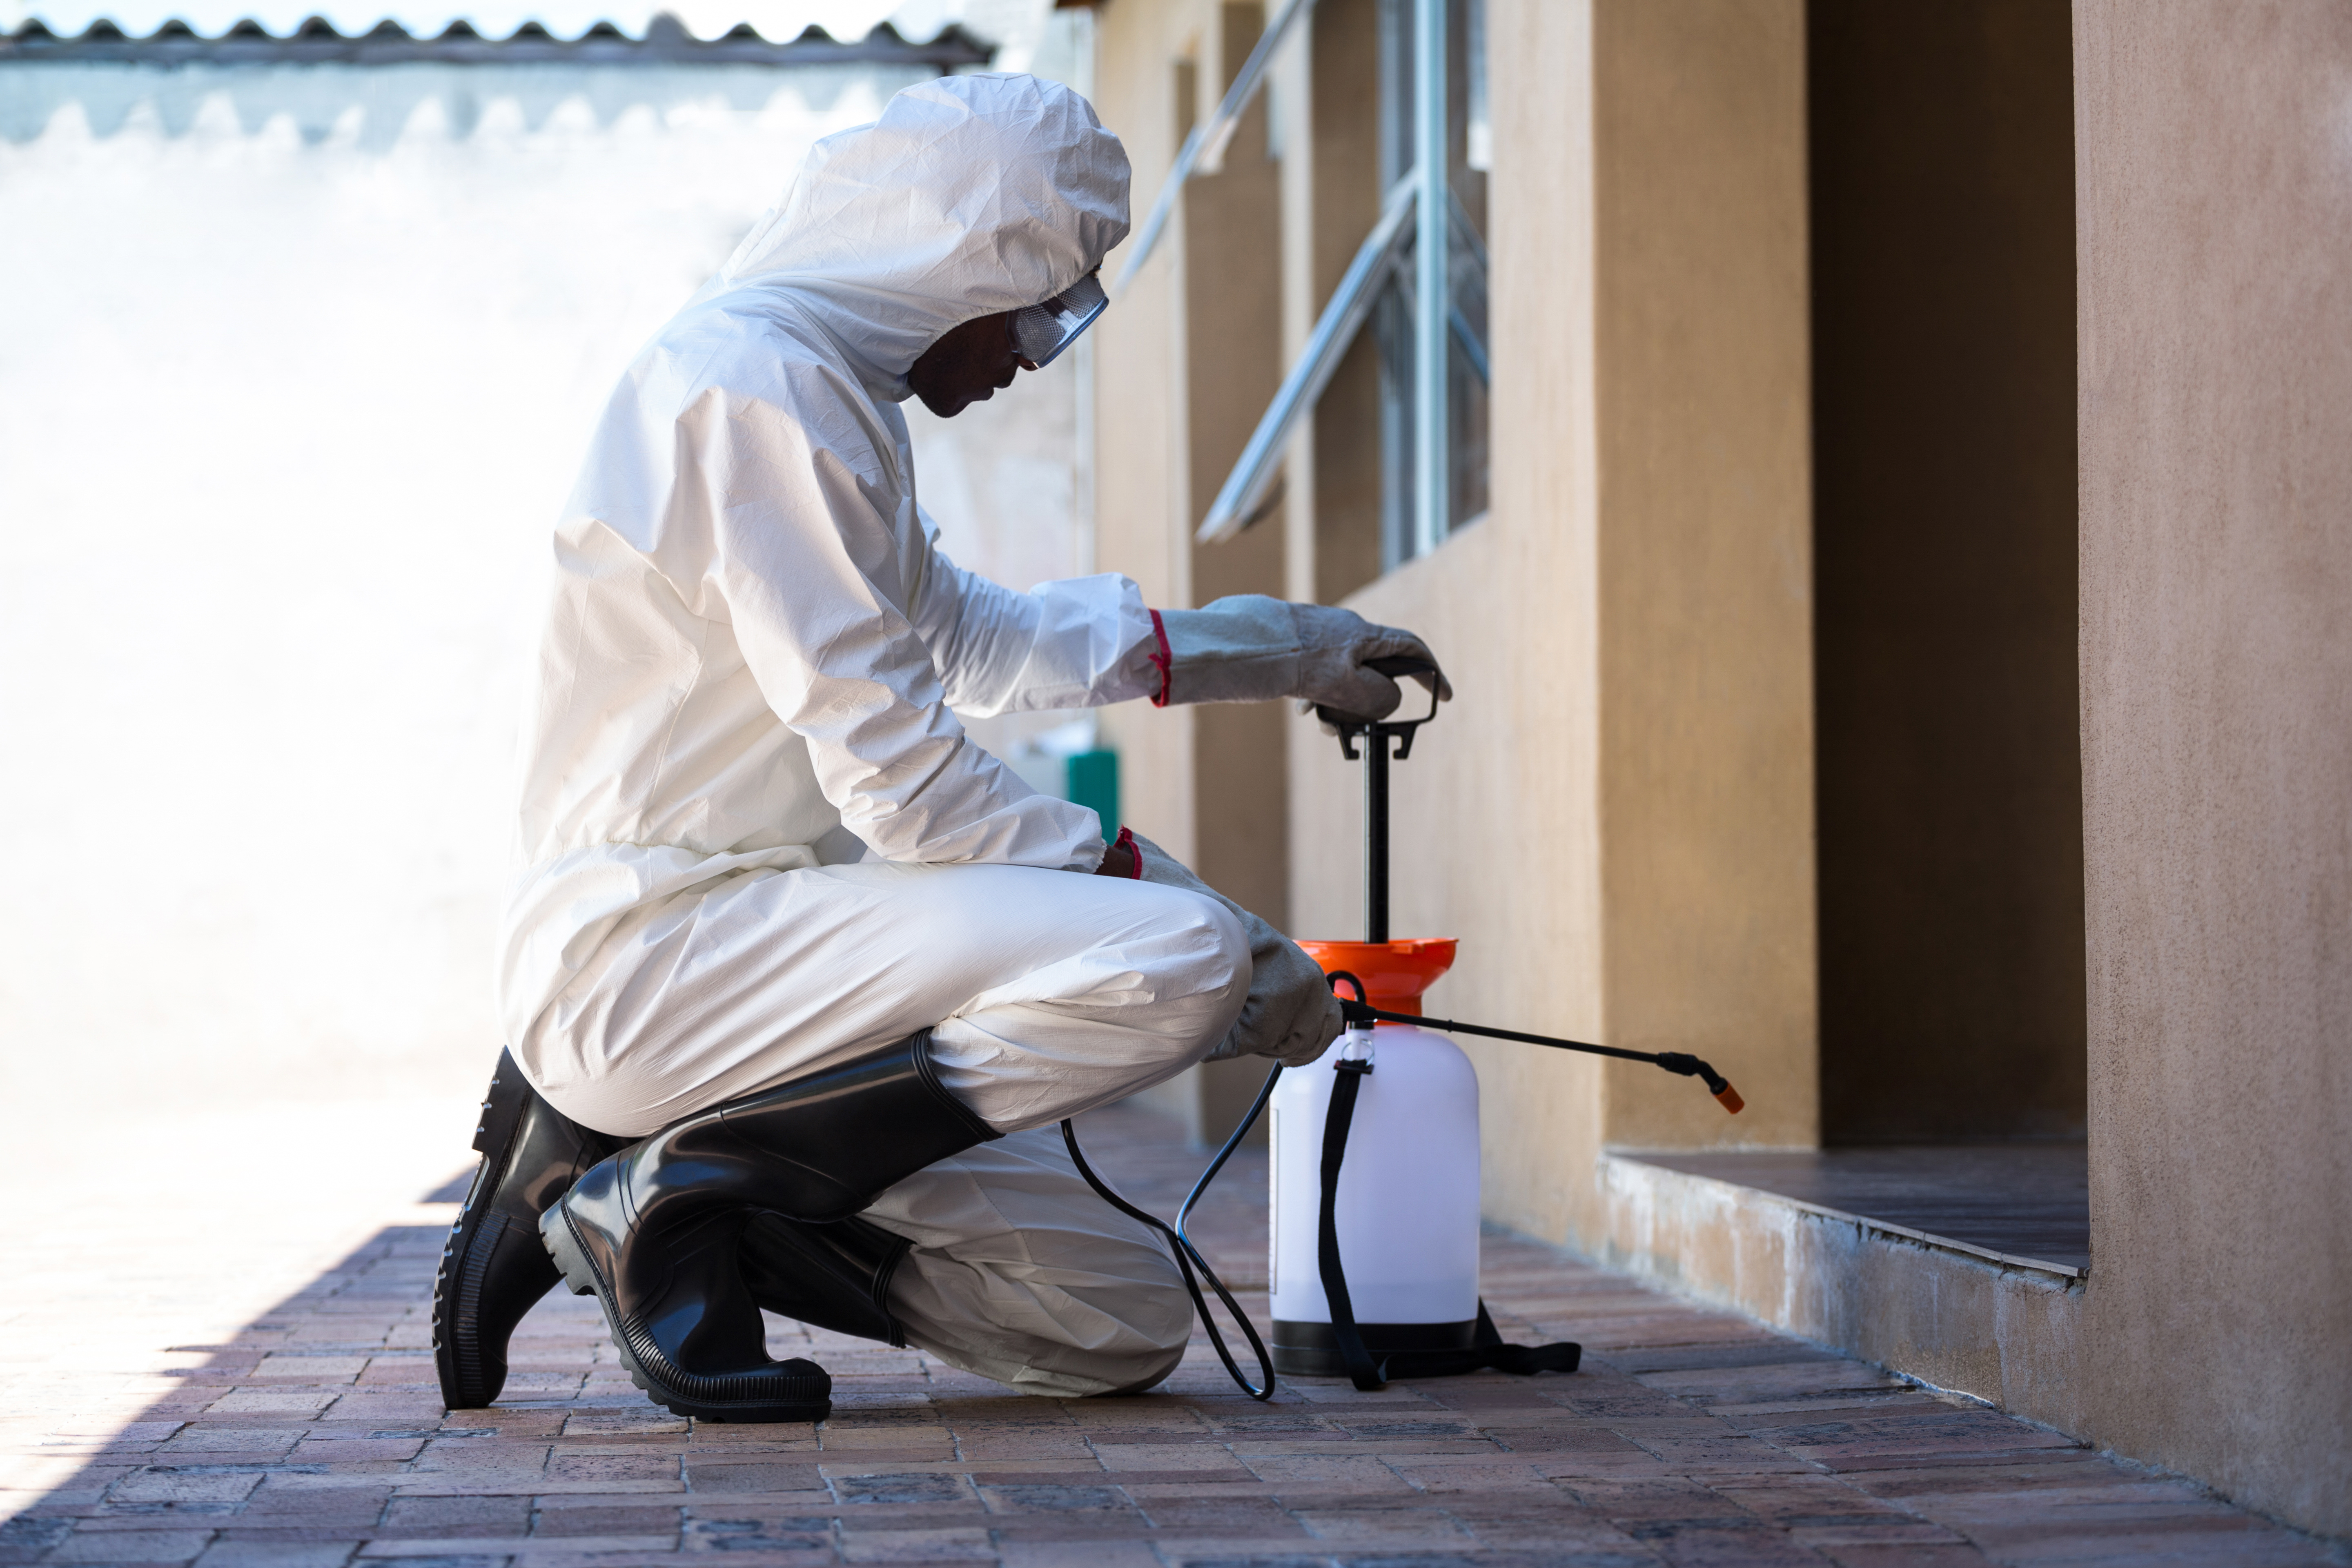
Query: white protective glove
x: 1250, y: 648
x: 1290, y: 1014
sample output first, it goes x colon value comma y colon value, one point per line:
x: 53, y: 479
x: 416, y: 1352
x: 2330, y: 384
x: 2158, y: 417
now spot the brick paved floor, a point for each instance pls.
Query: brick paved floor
x: 312, y: 1437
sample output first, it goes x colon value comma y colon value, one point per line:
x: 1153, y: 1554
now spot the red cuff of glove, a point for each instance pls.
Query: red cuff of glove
x: 1163, y: 661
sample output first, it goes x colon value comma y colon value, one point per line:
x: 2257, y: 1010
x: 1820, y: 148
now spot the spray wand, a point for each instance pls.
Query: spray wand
x: 1360, y: 1014
x: 1377, y: 736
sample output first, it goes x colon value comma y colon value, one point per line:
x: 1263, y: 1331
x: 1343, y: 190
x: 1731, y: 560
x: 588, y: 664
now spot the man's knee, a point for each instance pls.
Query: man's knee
x: 1232, y: 954
x: 1210, y: 967
x: 1151, y: 1370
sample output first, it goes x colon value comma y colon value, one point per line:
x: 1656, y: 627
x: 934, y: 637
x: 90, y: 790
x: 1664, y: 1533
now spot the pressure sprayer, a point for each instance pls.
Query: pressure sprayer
x: 1373, y: 1263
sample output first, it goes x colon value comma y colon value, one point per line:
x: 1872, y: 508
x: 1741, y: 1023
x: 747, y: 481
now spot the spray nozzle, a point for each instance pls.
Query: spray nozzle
x: 1718, y: 1085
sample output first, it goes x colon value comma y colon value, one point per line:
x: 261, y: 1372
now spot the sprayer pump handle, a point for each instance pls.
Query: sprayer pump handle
x: 1396, y: 667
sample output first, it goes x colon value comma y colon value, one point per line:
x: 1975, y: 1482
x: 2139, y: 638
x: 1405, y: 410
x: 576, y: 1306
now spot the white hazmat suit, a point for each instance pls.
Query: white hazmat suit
x: 756, y: 840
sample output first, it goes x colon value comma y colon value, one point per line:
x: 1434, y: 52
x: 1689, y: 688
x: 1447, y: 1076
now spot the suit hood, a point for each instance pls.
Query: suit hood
x: 972, y: 194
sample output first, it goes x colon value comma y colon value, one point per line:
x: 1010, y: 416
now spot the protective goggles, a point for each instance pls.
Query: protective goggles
x: 1040, y: 332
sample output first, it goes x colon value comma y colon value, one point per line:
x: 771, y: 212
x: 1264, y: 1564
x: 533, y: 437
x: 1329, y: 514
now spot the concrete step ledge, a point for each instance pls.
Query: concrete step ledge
x: 2000, y: 1328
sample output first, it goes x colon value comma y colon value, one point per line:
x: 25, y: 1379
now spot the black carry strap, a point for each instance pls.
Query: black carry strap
x: 1521, y: 1360
x: 1347, y: 1080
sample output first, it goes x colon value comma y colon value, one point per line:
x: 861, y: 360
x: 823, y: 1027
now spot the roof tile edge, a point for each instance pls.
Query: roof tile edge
x: 316, y: 41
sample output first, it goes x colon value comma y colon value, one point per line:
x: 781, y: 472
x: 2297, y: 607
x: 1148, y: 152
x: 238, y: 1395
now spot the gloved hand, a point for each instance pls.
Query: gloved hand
x: 1251, y: 649
x: 1290, y: 1014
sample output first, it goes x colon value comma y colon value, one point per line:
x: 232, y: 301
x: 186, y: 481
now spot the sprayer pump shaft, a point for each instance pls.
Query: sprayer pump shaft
x: 1358, y: 1014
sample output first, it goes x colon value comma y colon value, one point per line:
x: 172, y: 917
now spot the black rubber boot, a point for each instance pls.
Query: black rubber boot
x: 833, y: 1276
x: 654, y: 1230
x: 495, y: 1268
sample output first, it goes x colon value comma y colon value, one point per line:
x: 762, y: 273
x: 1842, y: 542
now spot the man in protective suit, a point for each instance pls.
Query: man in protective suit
x: 798, y: 979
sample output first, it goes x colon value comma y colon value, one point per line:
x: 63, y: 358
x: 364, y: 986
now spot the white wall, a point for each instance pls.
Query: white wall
x: 287, y: 403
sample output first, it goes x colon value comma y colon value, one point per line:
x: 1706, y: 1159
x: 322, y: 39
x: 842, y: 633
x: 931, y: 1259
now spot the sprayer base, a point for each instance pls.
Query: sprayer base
x: 1311, y: 1350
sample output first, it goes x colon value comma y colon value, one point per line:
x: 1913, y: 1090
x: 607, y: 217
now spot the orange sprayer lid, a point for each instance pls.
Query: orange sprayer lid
x: 1394, y: 973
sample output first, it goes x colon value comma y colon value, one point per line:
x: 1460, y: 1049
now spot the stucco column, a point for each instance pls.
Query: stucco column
x: 2214, y: 191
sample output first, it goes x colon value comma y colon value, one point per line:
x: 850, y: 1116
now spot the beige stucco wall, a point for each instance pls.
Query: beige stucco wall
x: 2214, y: 172
x: 1705, y: 681
x: 1616, y: 815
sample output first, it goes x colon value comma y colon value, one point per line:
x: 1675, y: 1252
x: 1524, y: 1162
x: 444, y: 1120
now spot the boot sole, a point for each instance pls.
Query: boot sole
x: 785, y: 1404
x: 466, y: 1258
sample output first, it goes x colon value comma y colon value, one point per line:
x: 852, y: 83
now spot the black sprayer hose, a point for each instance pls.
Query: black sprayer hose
x: 1188, y: 1256
x: 1359, y: 1013
x: 1257, y: 1107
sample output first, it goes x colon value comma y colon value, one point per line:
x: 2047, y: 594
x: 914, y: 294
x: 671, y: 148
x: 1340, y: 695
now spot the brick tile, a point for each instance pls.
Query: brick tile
x: 1010, y: 1445
x: 1054, y: 1497
x: 1568, y: 1530
x: 613, y: 1467
x: 637, y: 1420
x: 276, y: 1554
x: 1220, y: 1515
x: 1958, y: 1554
x: 1192, y: 1458
x: 478, y: 1454
x: 270, y: 1401
x: 1326, y: 1472
x: 1077, y: 1554
x: 218, y: 1437
x: 1741, y: 1456
x: 1702, y: 1543
x: 318, y: 1369
x: 604, y: 1551
x: 1828, y: 1406
x: 1384, y: 1526
x: 1565, y: 1439
x: 920, y: 1486
x: 179, y: 1486
x: 131, y: 1546
x: 1767, y: 1380
x: 344, y: 1450
x: 1483, y: 1478
x: 961, y: 1545
x: 1811, y: 1503
x: 274, y: 1502
x: 457, y: 1516
x: 759, y: 1477
x: 638, y: 1519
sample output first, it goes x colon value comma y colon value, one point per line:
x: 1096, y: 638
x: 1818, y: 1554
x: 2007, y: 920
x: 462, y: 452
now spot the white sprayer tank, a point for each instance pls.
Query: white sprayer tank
x: 1408, y: 1199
